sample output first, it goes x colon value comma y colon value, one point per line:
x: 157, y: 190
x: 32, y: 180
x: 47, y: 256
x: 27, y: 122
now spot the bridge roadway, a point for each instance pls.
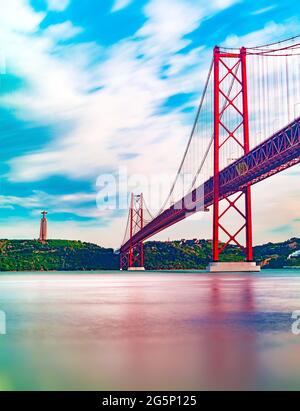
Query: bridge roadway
x: 277, y: 153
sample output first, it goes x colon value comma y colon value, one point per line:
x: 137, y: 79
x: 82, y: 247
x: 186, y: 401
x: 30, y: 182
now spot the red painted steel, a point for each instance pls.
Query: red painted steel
x: 216, y: 154
x: 234, y: 65
x: 131, y: 231
x: 248, y: 203
x: 277, y: 153
x: 134, y: 256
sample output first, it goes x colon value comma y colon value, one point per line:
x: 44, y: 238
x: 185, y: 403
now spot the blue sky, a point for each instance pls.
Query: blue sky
x: 88, y: 86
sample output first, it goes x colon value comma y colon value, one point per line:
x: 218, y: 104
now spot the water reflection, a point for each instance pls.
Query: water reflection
x: 150, y: 331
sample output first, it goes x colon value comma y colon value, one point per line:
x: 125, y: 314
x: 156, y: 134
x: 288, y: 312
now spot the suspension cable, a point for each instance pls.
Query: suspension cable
x: 263, y: 45
x: 212, y: 137
x: 127, y: 226
x: 276, y: 42
x: 190, y: 138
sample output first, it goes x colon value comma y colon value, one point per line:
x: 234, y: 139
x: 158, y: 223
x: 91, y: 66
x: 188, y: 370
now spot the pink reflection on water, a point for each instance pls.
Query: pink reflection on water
x: 155, y: 331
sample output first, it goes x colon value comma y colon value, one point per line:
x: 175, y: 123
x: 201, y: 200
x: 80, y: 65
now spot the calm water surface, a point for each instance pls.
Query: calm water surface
x: 113, y: 331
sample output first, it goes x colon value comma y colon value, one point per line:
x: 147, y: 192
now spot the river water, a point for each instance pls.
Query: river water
x: 152, y: 331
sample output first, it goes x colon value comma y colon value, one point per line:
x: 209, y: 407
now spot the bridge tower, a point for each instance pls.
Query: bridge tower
x: 233, y: 104
x: 43, y: 227
x: 133, y: 260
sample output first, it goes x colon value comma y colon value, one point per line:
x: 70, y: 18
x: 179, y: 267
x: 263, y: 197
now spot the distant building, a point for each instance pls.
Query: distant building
x: 43, y: 227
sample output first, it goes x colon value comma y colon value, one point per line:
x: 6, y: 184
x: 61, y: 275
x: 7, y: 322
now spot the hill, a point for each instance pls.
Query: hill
x: 192, y: 254
x: 64, y: 255
x: 31, y: 255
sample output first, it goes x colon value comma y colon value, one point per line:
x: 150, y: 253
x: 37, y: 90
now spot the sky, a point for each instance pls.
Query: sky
x: 87, y: 87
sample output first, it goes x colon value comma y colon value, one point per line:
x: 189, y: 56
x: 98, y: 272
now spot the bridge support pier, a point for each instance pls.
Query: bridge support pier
x: 233, y: 267
x: 136, y: 268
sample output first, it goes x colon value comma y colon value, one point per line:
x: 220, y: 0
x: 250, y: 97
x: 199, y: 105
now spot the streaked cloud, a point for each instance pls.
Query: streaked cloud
x: 58, y: 5
x: 264, y: 10
x: 63, y: 31
x: 120, y: 4
x: 88, y: 149
x: 40, y: 199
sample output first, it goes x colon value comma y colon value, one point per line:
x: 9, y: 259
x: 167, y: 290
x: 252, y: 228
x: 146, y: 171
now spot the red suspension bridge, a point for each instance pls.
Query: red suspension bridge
x: 246, y: 130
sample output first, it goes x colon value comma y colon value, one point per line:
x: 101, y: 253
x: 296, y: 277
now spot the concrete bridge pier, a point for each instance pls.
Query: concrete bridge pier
x: 231, y: 267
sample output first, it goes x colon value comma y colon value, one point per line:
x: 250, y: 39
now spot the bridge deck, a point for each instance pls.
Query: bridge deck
x: 280, y: 151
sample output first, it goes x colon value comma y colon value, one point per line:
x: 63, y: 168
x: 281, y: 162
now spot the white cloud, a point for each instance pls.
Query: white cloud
x: 101, y: 116
x: 58, y: 5
x: 265, y: 35
x: 264, y: 10
x: 120, y: 4
x: 19, y: 228
x: 224, y: 4
x: 23, y: 21
x: 168, y: 21
x: 124, y: 109
x: 63, y: 31
x: 40, y: 199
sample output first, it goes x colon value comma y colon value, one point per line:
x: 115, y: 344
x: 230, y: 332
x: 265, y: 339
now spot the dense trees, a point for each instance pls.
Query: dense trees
x: 30, y: 255
x: 26, y: 255
x: 189, y: 254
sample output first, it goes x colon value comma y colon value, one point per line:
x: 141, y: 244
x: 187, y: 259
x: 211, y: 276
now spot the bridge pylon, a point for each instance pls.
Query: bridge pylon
x: 231, y: 124
x: 133, y: 260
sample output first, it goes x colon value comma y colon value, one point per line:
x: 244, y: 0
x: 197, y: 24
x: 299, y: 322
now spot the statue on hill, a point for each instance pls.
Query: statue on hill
x: 43, y: 227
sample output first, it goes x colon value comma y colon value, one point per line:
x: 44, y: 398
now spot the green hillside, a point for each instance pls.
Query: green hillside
x: 196, y: 254
x: 30, y: 255
x: 64, y: 255
x: 189, y: 254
